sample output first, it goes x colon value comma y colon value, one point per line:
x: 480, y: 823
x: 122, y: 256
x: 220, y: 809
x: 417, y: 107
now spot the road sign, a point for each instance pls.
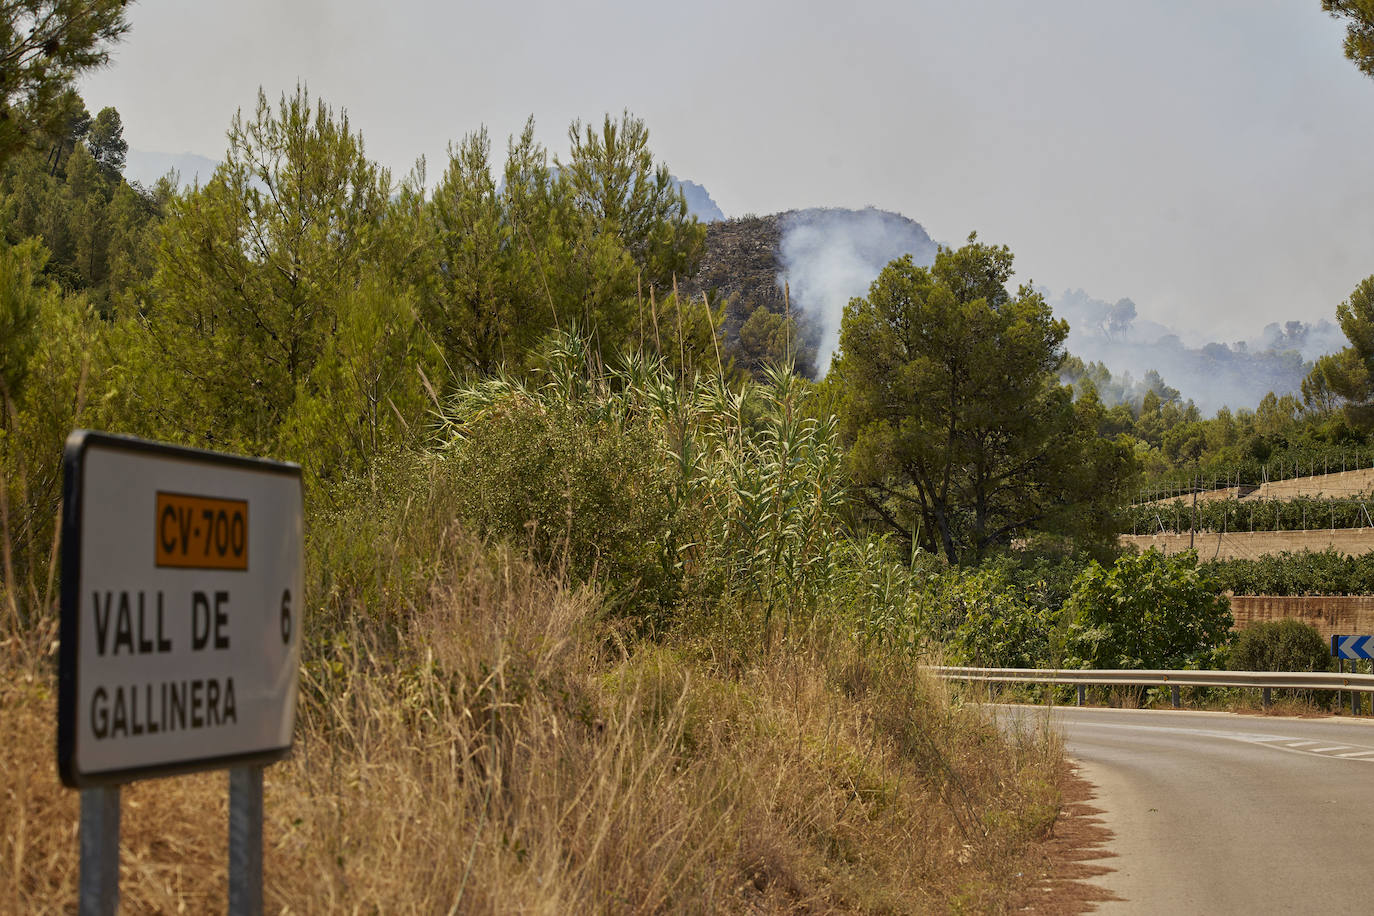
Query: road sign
x: 182, y: 574
x: 1352, y: 647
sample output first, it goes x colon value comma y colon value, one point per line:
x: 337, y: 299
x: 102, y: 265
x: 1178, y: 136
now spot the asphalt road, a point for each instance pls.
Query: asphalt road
x: 1220, y: 813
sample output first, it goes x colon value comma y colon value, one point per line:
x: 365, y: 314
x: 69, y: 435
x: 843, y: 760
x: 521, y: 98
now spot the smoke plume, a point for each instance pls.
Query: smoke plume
x: 829, y: 256
x: 1213, y: 375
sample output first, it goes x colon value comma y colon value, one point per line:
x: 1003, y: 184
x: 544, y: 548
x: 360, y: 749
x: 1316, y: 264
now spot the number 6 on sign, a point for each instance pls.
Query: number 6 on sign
x: 286, y: 616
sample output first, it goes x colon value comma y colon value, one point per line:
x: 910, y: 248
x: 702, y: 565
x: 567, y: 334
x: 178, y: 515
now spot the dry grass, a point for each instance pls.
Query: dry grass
x: 499, y: 750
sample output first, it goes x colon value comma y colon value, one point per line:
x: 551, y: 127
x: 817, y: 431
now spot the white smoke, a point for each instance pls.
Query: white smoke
x: 830, y: 256
x: 1214, y: 375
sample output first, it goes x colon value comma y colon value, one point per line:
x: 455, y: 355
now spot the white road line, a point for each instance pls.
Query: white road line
x: 1356, y: 754
x: 1300, y: 743
x: 1324, y: 750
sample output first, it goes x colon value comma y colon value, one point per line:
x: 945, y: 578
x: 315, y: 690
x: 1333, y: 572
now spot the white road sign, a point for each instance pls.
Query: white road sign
x: 182, y: 573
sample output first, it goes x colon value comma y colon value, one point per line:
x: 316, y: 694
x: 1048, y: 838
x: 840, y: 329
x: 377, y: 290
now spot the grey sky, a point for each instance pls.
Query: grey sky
x: 1211, y: 161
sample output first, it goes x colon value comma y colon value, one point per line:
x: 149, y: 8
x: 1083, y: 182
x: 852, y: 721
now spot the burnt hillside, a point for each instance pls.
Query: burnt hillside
x: 741, y: 267
x: 826, y: 255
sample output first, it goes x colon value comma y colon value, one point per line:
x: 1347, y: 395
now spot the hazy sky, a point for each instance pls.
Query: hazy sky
x: 1212, y: 161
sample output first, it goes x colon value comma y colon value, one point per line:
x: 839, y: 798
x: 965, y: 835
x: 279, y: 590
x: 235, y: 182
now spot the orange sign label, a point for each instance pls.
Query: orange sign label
x: 201, y: 532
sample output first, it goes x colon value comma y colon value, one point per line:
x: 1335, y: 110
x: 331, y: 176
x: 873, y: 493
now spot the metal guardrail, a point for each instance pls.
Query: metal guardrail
x: 1082, y: 678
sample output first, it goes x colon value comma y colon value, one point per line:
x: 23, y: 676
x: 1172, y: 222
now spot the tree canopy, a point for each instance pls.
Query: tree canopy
x: 44, y: 45
x: 961, y: 435
x: 1359, y: 30
x: 275, y: 293
x: 1347, y: 376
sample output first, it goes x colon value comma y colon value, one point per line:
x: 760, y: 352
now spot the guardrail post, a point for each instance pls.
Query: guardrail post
x: 1265, y: 699
x: 1082, y: 691
x: 1173, y: 696
x: 1354, y: 702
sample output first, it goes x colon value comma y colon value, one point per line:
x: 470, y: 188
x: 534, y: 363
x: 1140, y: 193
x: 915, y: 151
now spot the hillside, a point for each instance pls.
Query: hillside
x: 822, y: 257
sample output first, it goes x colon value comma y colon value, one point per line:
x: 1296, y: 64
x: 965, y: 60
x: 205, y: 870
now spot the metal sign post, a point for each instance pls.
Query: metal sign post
x: 245, y: 841
x: 99, y: 851
x: 182, y: 572
x: 1353, y: 648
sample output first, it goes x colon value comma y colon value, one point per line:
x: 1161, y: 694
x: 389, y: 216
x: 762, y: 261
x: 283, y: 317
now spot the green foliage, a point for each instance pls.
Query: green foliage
x: 771, y: 484
x: 106, y: 143
x: 1301, y: 513
x: 1257, y: 459
x: 52, y: 363
x: 273, y: 297
x: 365, y: 391
x: 767, y: 338
x: 478, y: 275
x: 1279, y: 645
x: 1147, y: 611
x: 961, y: 436
x: 1004, y: 613
x: 1348, y: 374
x: 883, y: 596
x: 619, y: 193
x: 581, y: 242
x: 1282, y: 645
x: 984, y: 620
x: 642, y: 478
x: 44, y: 46
x: 1296, y: 573
x: 99, y: 230
x: 19, y: 307
x: 583, y: 489
x: 1359, y: 35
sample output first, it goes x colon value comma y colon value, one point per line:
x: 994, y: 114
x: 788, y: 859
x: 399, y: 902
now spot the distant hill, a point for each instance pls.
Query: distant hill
x: 699, y: 202
x: 147, y: 167
x: 823, y: 257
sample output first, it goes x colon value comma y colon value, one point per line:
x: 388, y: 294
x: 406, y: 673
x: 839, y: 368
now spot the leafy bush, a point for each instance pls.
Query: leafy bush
x: 652, y: 482
x: 996, y: 627
x: 580, y: 492
x: 1279, y: 645
x: 1148, y: 611
x: 1282, y: 645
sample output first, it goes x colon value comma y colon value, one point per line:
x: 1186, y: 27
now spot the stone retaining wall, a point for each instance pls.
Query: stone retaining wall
x: 1341, y: 483
x: 1344, y: 615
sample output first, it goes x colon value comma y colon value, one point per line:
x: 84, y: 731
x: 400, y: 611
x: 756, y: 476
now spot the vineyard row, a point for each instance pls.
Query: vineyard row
x: 1298, y: 514
x: 1252, y: 472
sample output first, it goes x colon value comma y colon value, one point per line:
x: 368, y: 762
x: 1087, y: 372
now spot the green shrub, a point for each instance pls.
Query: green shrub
x: 1279, y: 645
x: 984, y: 620
x: 1283, y: 645
x: 663, y: 488
x: 580, y: 493
x: 1148, y: 611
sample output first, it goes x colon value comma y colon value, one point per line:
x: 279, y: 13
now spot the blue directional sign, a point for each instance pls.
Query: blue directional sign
x: 1352, y: 646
